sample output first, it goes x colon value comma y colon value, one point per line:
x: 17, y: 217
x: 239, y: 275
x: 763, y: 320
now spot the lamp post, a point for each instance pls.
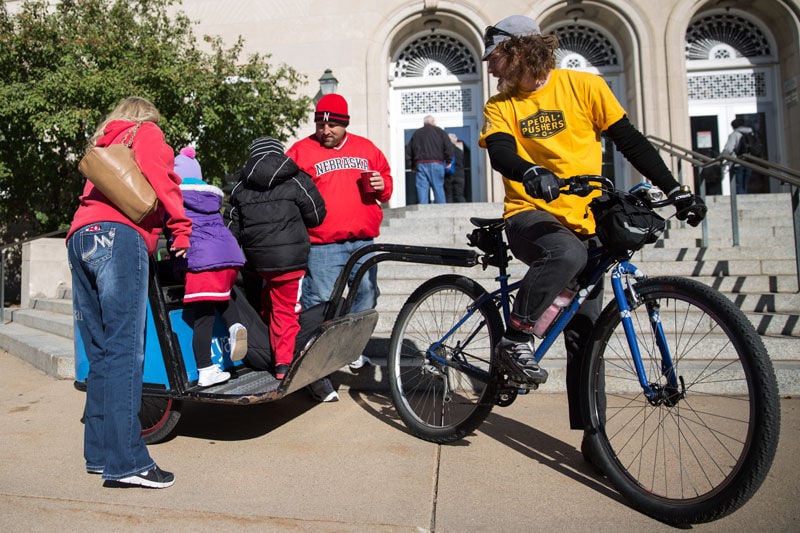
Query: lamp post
x: 327, y: 85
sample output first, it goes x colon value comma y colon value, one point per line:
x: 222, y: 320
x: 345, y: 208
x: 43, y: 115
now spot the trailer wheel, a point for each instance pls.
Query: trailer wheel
x: 158, y: 417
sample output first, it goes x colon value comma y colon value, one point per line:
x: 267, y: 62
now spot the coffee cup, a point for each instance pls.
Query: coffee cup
x: 364, y: 184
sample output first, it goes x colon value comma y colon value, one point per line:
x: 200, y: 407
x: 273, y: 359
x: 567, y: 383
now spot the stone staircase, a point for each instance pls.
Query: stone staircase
x: 759, y: 275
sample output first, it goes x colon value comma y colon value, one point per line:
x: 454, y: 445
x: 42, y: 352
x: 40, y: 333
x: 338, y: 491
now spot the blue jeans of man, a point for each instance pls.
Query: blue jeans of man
x: 430, y: 176
x: 555, y: 256
x: 742, y: 175
x: 109, y: 265
x: 325, y: 262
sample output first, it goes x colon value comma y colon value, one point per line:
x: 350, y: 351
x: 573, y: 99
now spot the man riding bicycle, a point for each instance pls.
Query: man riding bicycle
x: 544, y: 125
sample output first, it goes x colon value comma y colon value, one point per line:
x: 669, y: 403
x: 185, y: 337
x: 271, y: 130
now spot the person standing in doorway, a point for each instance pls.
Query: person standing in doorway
x: 429, y: 153
x: 454, y: 177
x: 335, y: 159
x: 740, y: 172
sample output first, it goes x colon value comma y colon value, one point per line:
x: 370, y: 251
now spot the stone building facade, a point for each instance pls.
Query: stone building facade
x: 683, y: 69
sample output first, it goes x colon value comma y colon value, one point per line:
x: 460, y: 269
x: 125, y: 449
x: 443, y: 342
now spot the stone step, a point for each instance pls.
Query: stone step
x: 759, y: 275
x: 374, y: 377
x: 51, y: 353
x: 452, y: 233
x: 61, y: 305
x: 54, y: 322
x: 775, y: 313
x: 394, y: 270
x: 766, y: 324
x: 714, y: 253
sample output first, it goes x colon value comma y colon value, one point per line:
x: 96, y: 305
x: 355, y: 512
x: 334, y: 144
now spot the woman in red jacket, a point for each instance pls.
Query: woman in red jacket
x: 108, y: 256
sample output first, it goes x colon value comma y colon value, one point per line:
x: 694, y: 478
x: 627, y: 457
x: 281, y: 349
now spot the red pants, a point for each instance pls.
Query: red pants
x: 280, y: 310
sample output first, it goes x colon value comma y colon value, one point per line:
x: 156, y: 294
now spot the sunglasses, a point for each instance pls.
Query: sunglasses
x: 491, y: 32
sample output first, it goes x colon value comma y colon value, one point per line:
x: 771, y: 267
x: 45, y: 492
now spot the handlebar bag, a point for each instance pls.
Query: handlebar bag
x: 624, y: 224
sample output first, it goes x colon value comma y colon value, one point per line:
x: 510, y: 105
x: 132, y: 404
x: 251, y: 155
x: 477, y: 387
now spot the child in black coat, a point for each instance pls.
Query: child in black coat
x: 271, y: 208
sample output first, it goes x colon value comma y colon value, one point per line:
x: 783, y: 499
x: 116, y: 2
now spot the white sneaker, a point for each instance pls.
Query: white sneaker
x: 211, y: 375
x: 322, y: 390
x: 360, y: 363
x: 238, y: 340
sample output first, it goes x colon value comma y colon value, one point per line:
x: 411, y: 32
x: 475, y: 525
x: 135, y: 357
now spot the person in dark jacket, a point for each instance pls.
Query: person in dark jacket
x: 429, y: 153
x: 272, y: 206
x: 211, y: 264
x: 454, y: 178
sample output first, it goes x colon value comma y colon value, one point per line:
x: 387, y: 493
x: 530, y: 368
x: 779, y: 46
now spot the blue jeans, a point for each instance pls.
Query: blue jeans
x: 742, y: 175
x: 325, y: 262
x: 109, y: 264
x: 430, y: 176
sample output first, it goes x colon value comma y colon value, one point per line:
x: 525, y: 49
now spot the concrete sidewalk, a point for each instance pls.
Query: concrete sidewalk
x: 295, y: 465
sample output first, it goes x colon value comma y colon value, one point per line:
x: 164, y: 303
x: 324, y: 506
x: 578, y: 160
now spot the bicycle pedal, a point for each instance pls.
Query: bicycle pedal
x: 521, y: 382
x: 537, y: 376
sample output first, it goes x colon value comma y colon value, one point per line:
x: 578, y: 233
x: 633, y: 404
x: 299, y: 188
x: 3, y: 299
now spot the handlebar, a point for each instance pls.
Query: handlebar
x: 585, y: 184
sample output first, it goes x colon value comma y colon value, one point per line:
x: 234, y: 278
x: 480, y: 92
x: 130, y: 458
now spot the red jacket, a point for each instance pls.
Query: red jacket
x: 335, y: 172
x: 155, y: 158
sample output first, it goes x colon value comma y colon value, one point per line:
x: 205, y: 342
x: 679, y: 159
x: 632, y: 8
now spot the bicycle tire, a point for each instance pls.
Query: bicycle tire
x: 158, y: 416
x: 440, y: 403
x: 705, y: 455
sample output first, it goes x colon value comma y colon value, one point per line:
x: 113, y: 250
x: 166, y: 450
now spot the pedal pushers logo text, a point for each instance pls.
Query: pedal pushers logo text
x: 543, y: 124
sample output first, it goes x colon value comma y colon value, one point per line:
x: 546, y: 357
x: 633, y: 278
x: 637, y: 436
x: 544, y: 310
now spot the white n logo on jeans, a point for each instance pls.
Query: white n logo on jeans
x: 102, y: 241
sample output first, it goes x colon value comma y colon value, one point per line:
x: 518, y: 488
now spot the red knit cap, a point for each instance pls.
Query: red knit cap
x: 332, y: 108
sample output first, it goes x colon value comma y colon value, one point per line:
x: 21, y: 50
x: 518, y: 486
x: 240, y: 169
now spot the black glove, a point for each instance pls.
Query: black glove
x: 541, y: 183
x: 688, y: 207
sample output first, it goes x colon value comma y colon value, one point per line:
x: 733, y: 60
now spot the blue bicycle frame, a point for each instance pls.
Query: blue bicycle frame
x: 618, y: 272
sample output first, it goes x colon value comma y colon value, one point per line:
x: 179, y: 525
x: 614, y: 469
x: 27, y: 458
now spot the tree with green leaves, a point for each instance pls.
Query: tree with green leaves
x: 63, y: 67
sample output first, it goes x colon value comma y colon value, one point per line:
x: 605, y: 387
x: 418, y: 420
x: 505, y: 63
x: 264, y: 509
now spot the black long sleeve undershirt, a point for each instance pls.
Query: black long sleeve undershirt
x: 629, y: 141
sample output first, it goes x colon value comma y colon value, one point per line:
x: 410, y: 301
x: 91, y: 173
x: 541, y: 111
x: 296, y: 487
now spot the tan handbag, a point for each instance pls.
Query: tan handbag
x: 113, y: 170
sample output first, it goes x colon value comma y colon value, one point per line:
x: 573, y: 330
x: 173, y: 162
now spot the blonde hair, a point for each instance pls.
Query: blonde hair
x: 134, y: 109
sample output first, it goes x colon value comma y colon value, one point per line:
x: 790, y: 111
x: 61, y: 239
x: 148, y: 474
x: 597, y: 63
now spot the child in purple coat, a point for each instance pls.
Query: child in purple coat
x: 212, y: 264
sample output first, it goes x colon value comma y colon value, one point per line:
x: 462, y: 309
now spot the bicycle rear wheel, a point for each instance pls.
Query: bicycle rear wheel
x: 442, y: 400
x: 700, y: 452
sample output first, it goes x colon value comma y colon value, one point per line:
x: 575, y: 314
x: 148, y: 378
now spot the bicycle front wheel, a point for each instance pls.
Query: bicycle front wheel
x: 439, y: 371
x: 696, y: 452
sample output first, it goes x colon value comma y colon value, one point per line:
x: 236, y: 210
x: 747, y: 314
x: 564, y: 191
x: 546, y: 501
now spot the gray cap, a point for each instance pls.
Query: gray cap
x: 515, y: 25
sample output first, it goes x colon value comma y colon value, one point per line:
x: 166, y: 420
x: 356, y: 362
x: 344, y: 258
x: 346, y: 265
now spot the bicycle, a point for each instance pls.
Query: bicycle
x: 678, y: 393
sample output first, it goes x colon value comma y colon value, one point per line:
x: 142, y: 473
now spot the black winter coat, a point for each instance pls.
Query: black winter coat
x: 271, y: 208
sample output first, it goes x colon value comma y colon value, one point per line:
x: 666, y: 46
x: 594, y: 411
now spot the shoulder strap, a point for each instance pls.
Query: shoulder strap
x: 132, y: 133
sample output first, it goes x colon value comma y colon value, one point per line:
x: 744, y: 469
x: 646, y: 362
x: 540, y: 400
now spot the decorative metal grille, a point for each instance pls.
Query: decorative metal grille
x: 436, y: 101
x: 734, y: 85
x: 434, y: 55
x: 723, y: 36
x: 581, y: 46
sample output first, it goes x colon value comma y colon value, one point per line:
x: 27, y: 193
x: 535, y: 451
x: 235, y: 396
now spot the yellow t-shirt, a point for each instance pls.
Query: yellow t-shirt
x: 557, y: 127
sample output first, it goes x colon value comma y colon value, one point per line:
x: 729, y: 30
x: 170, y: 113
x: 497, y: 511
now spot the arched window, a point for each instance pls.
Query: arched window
x: 434, y: 55
x: 724, y: 36
x: 726, y: 39
x: 583, y: 47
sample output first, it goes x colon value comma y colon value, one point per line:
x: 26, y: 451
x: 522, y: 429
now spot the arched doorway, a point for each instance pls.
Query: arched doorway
x: 436, y: 73
x: 732, y: 72
x: 586, y: 47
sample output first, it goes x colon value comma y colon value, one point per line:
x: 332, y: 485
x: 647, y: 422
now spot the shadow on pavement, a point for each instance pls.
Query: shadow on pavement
x: 548, y: 451
x: 530, y: 442
x: 223, y: 422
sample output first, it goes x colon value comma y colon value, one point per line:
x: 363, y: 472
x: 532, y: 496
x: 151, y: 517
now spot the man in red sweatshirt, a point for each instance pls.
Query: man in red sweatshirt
x: 335, y: 160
